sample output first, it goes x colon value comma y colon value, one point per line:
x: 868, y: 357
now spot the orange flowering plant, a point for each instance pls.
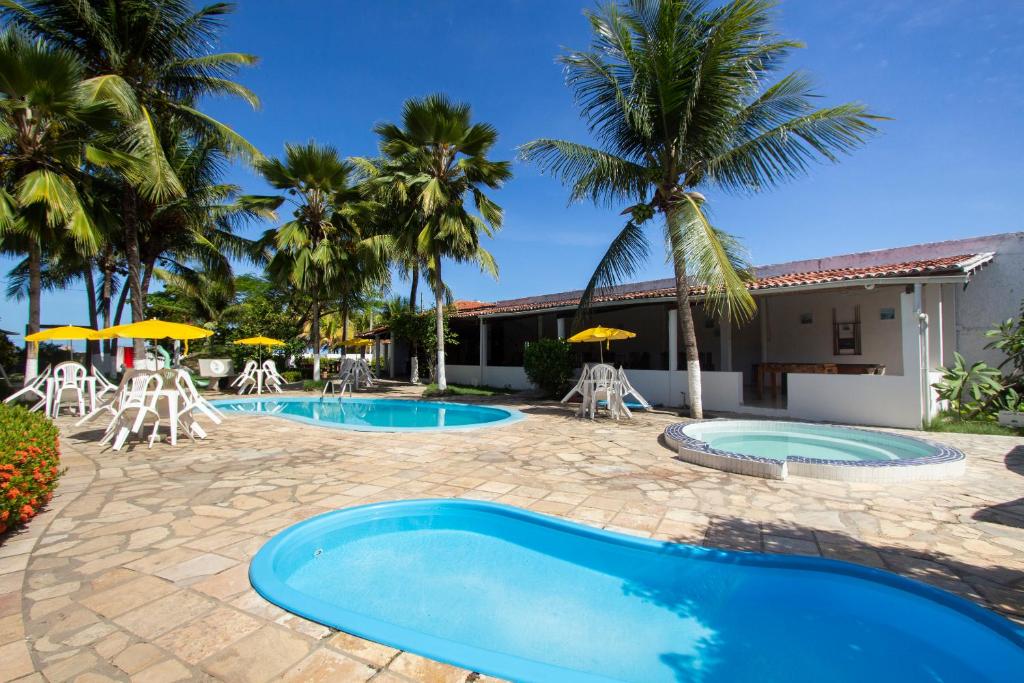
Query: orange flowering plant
x: 29, y: 464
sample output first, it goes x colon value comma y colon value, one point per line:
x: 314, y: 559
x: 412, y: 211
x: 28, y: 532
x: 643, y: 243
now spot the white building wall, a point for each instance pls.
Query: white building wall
x: 790, y: 341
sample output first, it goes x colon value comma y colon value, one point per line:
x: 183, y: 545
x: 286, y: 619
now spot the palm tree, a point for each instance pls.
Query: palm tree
x: 323, y: 248
x: 677, y: 95
x: 51, y: 119
x: 160, y: 49
x: 439, y: 158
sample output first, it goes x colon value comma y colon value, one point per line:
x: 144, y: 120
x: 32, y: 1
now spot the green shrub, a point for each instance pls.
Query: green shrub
x: 549, y: 364
x: 313, y: 385
x: 29, y: 464
x: 292, y: 375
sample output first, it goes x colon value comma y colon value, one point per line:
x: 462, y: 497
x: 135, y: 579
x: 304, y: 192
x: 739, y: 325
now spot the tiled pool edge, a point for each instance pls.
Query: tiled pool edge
x: 513, y: 415
x: 947, y: 463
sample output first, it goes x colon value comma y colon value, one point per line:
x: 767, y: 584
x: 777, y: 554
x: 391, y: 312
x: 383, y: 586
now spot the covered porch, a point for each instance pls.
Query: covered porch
x: 852, y: 353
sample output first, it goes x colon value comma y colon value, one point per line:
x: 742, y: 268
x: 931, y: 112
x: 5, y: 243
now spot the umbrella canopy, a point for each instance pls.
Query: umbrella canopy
x: 155, y: 329
x: 601, y: 334
x: 68, y: 332
x: 259, y: 341
x: 359, y: 343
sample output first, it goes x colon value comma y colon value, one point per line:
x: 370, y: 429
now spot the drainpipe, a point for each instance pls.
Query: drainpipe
x: 922, y: 342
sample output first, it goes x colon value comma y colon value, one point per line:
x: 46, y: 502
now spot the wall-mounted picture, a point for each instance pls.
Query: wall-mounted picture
x: 887, y: 314
x: 806, y: 318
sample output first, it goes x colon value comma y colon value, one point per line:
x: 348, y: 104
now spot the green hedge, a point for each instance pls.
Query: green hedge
x: 550, y: 364
x: 29, y: 464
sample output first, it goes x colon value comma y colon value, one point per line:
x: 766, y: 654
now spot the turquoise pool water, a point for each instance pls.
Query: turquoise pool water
x: 514, y: 594
x: 783, y: 440
x: 374, y: 414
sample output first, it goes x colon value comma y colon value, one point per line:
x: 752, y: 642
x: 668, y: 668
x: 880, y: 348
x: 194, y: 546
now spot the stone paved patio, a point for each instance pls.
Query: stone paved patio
x: 138, y: 570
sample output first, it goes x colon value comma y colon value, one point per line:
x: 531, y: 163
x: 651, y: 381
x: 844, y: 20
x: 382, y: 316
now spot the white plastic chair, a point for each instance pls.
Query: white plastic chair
x: 246, y: 381
x: 138, y: 403
x: 345, y: 378
x: 601, y: 385
x: 34, y: 390
x: 103, y: 385
x: 193, y: 399
x: 69, y: 376
x: 629, y: 390
x: 272, y: 379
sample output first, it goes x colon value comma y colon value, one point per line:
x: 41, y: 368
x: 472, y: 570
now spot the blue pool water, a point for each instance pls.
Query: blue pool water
x: 782, y: 440
x: 514, y: 594
x: 374, y: 414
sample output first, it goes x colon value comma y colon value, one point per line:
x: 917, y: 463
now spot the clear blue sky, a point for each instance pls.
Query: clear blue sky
x: 949, y: 165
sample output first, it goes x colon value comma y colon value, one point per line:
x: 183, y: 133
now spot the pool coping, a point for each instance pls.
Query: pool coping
x: 946, y: 463
x: 265, y: 581
x: 514, y: 415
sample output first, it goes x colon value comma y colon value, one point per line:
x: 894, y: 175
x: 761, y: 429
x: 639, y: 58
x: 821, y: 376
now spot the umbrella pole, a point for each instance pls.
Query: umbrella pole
x: 600, y: 351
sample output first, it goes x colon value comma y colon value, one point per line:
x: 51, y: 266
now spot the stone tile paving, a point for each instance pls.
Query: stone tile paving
x: 138, y: 569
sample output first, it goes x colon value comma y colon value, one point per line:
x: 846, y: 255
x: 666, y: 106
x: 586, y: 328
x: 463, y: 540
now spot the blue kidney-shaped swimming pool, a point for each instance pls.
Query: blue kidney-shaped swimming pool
x: 374, y: 414
x: 523, y: 596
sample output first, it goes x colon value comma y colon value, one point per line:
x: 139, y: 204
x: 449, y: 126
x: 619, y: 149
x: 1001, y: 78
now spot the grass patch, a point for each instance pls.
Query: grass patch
x: 952, y: 424
x: 464, y: 390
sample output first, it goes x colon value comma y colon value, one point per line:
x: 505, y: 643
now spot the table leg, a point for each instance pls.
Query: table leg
x: 172, y: 411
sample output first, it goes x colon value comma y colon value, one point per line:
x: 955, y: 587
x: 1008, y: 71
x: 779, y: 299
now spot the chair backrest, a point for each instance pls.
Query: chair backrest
x: 70, y: 373
x: 250, y: 367
x: 270, y: 368
x: 603, y: 372
x: 183, y: 382
x: 101, y: 379
x: 347, y: 366
x: 143, y: 390
x: 39, y: 380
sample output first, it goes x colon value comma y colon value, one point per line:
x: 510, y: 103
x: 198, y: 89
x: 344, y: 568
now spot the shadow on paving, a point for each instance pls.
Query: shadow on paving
x: 1010, y: 513
x: 707, y: 602
x: 993, y: 586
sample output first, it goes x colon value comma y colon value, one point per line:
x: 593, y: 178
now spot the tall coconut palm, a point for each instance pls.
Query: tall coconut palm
x: 440, y: 157
x: 323, y: 244
x: 161, y: 49
x: 680, y: 96
x: 52, y: 117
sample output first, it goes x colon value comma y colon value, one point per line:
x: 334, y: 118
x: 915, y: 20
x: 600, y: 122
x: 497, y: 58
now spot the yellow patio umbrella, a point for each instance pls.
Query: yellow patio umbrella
x: 259, y: 341
x: 156, y: 329
x: 601, y: 334
x: 359, y: 343
x: 68, y: 332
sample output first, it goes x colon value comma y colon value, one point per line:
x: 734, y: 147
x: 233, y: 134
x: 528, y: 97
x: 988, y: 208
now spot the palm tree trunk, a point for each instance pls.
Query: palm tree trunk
x: 442, y: 381
x: 414, y: 348
x: 131, y: 227
x: 34, y: 293
x: 686, y: 330
x: 314, y: 337
x: 91, y: 347
x: 106, y: 295
x: 121, y: 300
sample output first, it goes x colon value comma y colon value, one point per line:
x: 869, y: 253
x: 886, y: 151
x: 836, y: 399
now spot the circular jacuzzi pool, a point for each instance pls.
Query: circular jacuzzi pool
x: 776, y: 449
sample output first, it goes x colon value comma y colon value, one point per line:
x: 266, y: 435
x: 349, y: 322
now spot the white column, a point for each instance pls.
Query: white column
x: 725, y: 340
x: 561, y: 328
x: 913, y: 355
x: 762, y: 314
x: 483, y: 352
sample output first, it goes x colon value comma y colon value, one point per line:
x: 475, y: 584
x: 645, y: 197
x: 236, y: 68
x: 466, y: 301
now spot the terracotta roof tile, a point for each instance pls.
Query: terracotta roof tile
x: 950, y: 264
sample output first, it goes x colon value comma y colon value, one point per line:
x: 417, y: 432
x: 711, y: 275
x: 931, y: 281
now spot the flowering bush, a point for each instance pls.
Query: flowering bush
x: 29, y: 464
